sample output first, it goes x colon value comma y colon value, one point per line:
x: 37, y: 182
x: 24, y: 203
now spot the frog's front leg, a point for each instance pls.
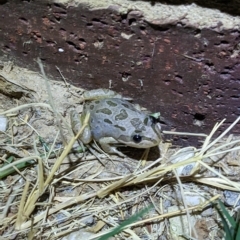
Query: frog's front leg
x: 77, y: 123
x: 105, y: 145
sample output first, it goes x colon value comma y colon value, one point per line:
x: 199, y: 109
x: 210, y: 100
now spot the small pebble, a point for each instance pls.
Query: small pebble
x: 182, y: 155
x: 3, y: 123
x: 231, y: 198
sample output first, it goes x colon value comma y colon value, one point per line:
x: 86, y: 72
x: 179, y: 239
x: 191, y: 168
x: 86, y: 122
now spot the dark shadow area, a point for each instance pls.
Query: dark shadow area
x: 3, y: 2
x: 136, y: 153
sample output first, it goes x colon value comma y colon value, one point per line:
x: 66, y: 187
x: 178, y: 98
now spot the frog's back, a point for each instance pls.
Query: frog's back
x: 109, y: 117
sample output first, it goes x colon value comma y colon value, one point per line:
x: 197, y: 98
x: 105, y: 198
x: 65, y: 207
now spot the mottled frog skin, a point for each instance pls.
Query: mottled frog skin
x: 115, y: 120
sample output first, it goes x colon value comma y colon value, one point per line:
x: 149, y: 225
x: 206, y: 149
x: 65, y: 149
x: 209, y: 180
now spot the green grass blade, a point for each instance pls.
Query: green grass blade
x: 227, y: 215
x: 44, y: 144
x: 237, y: 232
x: 9, y: 160
x: 237, y: 229
x: 132, y: 219
x: 221, y: 211
x: 12, y: 170
x: 225, y: 226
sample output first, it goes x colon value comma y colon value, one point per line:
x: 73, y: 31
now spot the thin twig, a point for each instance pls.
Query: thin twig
x: 51, y: 102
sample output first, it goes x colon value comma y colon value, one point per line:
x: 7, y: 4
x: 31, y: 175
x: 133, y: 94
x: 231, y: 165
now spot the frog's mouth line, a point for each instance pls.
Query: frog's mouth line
x: 145, y: 143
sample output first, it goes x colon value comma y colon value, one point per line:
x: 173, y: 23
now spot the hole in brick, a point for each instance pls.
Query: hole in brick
x: 57, y: 18
x: 58, y: 6
x: 82, y: 43
x: 174, y: 91
x: 167, y: 82
x: 235, y: 90
x: 7, y: 48
x: 96, y: 20
x: 36, y: 35
x: 62, y: 14
x: 23, y: 20
x: 199, y: 116
x: 50, y: 43
x: 160, y: 28
x: 234, y: 97
x: 63, y: 32
x: 89, y: 25
x: 124, y: 16
x: 73, y: 46
x: 224, y: 42
x: 197, y: 31
x: 227, y: 69
x: 219, y: 90
x: 82, y: 39
x: 73, y: 35
x: 125, y: 76
x: 70, y: 43
x: 178, y: 78
x: 209, y: 64
x: 225, y: 75
x: 219, y: 97
x: 131, y: 21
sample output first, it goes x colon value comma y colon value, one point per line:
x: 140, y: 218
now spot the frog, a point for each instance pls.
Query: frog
x: 115, y: 120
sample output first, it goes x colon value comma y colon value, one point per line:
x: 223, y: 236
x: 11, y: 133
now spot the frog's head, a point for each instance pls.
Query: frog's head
x: 143, y: 134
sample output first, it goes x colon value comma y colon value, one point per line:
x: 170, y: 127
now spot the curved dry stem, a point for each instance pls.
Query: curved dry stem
x: 27, y: 106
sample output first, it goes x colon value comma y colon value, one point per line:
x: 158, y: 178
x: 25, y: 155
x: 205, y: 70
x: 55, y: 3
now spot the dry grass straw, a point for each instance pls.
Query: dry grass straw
x: 44, y: 184
x: 144, y: 176
x: 109, y: 190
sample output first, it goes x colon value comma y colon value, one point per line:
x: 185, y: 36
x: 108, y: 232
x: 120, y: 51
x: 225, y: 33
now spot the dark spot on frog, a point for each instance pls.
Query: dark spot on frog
x: 91, y: 107
x: 122, y: 128
x: 129, y: 106
x: 107, y: 121
x: 96, y: 102
x: 122, y: 115
x: 104, y: 111
x: 137, y: 124
x: 111, y: 103
x: 125, y: 105
x: 145, y: 121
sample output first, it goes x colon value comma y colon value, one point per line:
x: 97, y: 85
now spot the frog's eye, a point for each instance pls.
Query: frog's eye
x: 137, y: 138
